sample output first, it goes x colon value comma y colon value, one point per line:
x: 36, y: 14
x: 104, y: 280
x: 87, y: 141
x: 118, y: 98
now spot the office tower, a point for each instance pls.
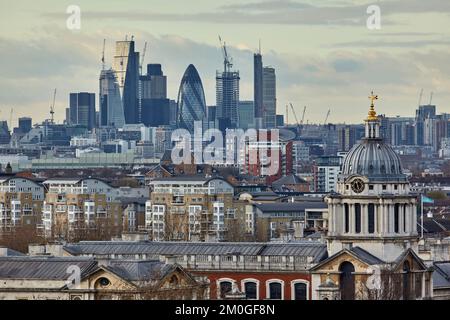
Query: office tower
x: 155, y: 107
x: 154, y: 84
x: 82, y: 110
x: 126, y: 68
x: 191, y: 100
x: 258, y: 88
x: 280, y: 120
x: 269, y: 97
x: 25, y: 124
x: 111, y: 113
x: 227, y: 98
x: 5, y: 135
x: 246, y: 113
x: 426, y: 111
x: 422, y: 130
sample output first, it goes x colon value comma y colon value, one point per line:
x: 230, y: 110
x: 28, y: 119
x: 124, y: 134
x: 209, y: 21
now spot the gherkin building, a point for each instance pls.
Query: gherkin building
x: 191, y: 100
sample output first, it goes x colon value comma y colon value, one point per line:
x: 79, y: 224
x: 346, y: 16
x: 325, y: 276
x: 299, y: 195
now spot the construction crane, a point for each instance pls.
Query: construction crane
x: 295, y: 116
x: 10, y: 118
x: 420, y: 97
x: 143, y: 58
x: 103, y: 54
x: 303, y: 116
x: 327, y: 116
x: 227, y: 60
x: 431, y: 98
x: 52, y: 108
x: 287, y: 115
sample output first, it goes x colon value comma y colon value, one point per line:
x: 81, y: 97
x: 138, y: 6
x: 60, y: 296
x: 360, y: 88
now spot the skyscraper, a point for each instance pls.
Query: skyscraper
x: 269, y: 97
x: 246, y: 114
x: 227, y: 98
x: 24, y: 124
x: 82, y: 109
x: 111, y: 107
x: 126, y: 67
x: 258, y: 87
x: 155, y: 107
x: 191, y: 100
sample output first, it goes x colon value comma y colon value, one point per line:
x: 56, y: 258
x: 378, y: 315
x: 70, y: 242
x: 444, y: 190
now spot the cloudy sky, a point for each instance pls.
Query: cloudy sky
x: 324, y: 54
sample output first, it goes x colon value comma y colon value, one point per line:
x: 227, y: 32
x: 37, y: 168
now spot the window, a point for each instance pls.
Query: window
x: 384, y: 187
x: 357, y: 218
x: 346, y: 217
x: 225, y: 288
x: 250, y: 289
x: 347, y: 281
x: 371, y: 218
x: 404, y: 219
x: 299, y: 290
x: 396, y: 218
x: 275, y: 290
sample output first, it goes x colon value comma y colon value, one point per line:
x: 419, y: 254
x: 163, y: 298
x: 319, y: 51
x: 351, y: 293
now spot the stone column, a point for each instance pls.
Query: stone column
x: 364, y: 218
x: 352, y: 218
x: 400, y: 219
x: 414, y: 228
x: 380, y: 213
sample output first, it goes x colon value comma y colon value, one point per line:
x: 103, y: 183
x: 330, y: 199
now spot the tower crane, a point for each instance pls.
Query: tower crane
x: 287, y: 115
x: 431, y: 98
x: 103, y: 55
x: 52, y: 108
x: 143, y: 58
x: 327, y: 116
x: 295, y: 116
x: 420, y: 97
x: 227, y: 60
x: 303, y: 116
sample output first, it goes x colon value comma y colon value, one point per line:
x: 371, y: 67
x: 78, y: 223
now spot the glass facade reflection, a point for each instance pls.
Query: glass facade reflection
x: 191, y: 100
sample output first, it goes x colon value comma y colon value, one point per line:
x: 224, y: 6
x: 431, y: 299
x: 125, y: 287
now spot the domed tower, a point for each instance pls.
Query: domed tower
x: 373, y: 207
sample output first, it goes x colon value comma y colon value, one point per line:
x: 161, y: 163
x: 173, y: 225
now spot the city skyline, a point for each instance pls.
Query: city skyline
x: 317, y: 64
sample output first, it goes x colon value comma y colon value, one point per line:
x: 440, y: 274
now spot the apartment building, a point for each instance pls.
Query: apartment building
x: 76, y: 206
x: 189, y: 208
x: 21, y: 202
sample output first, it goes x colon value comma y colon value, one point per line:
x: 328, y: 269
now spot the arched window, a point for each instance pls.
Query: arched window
x: 250, y: 289
x: 396, y: 218
x: 357, y: 218
x: 371, y: 218
x: 347, y: 281
x: 275, y: 290
x: 347, y: 218
x: 300, y: 291
x: 406, y: 281
x: 225, y: 288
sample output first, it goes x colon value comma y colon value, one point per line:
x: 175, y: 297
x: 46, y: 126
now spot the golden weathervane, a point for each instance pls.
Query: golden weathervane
x: 372, y: 113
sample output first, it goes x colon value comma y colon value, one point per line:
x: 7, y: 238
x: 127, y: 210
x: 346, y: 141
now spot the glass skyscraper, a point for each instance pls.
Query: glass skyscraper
x: 111, y: 107
x: 191, y: 100
x: 82, y: 109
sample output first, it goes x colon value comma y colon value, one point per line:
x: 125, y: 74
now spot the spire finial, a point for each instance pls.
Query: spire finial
x: 372, y: 113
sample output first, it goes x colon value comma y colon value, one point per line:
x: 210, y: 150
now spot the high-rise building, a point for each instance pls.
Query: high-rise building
x: 227, y: 98
x: 126, y: 67
x: 82, y: 110
x: 5, y: 135
x: 348, y: 136
x: 326, y: 170
x: 191, y: 100
x: 258, y: 87
x: 154, y: 84
x: 25, y: 124
x: 269, y: 97
x: 246, y: 114
x: 111, y: 112
x: 155, y: 108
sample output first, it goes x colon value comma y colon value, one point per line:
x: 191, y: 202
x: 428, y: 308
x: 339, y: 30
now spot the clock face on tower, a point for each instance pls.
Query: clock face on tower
x: 358, y: 186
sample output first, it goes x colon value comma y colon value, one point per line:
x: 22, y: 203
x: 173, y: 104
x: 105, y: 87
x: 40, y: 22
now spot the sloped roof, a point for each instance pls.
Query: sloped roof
x: 289, y: 179
x: 290, y: 206
x: 441, y: 274
x: 43, y: 268
x: 313, y: 249
x: 139, y: 270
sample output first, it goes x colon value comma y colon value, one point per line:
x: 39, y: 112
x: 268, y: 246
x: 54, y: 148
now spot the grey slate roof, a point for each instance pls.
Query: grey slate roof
x: 44, y: 268
x: 312, y: 249
x: 289, y: 179
x: 366, y: 256
x: 441, y: 274
x: 290, y: 206
x: 139, y: 270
